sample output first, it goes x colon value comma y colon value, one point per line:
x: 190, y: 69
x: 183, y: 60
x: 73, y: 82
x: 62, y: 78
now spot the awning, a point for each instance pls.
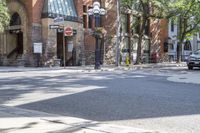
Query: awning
x: 64, y: 8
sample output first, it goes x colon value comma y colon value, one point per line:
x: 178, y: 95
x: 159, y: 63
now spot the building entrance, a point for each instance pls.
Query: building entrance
x: 20, y: 43
x: 60, y: 47
x: 69, y: 51
x: 15, y: 37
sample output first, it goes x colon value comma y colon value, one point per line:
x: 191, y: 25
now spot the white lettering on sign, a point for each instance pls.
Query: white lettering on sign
x: 54, y: 26
x: 58, y: 20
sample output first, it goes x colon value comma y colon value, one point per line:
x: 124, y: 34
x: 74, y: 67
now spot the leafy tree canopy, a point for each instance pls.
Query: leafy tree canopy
x: 187, y: 16
x: 4, y: 15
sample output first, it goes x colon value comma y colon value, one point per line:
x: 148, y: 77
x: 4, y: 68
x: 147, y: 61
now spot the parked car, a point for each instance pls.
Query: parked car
x: 194, y: 60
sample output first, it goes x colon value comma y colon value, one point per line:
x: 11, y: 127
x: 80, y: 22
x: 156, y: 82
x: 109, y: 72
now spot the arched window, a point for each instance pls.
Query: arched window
x: 15, y: 19
x: 187, y: 45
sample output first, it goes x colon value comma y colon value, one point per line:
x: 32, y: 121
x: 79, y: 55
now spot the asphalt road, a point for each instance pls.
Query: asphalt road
x: 143, y: 99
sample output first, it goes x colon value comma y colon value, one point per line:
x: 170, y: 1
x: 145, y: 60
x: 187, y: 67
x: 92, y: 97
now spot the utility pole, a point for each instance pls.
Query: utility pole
x: 118, y: 35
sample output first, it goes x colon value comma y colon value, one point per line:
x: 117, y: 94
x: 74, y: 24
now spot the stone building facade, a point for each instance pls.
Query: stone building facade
x: 30, y: 21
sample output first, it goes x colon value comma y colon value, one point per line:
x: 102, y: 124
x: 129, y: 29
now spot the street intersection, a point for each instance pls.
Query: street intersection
x: 162, y: 100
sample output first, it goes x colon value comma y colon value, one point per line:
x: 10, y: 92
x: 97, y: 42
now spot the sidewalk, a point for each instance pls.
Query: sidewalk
x: 16, y: 120
x: 91, y: 68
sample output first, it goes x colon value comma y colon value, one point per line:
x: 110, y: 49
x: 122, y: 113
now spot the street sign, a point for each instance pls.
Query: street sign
x: 58, y: 20
x: 60, y: 30
x: 37, y: 48
x: 68, y: 31
x: 52, y: 27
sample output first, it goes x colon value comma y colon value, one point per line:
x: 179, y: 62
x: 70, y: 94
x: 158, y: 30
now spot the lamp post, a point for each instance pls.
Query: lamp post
x: 97, y: 11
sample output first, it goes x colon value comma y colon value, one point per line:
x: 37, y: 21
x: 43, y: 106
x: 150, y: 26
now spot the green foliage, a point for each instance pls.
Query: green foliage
x: 142, y: 11
x: 4, y: 15
x: 187, y: 15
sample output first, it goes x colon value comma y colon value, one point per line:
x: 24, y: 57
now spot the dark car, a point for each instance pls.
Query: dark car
x: 194, y: 60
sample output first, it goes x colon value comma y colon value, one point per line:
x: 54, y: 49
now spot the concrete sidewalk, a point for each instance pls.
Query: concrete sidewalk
x: 91, y: 68
x: 16, y: 120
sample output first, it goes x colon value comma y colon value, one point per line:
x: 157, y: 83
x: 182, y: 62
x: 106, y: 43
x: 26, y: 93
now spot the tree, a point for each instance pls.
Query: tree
x: 188, y: 18
x: 144, y: 10
x: 4, y: 15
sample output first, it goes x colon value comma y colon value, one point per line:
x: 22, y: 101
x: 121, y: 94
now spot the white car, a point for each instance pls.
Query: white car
x: 194, y: 60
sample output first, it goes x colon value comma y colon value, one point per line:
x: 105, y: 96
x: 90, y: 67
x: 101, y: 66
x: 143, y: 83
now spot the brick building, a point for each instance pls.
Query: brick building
x: 156, y: 34
x: 30, y: 20
x: 29, y: 25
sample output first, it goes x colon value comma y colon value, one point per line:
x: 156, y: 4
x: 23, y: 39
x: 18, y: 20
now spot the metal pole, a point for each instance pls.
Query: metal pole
x: 97, y: 63
x: 64, y: 58
x: 118, y: 35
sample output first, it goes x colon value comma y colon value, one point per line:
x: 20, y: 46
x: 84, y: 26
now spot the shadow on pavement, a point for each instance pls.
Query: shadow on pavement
x: 120, y: 96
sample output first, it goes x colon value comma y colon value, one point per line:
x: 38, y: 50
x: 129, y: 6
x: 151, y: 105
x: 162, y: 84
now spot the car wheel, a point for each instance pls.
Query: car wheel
x: 190, y: 67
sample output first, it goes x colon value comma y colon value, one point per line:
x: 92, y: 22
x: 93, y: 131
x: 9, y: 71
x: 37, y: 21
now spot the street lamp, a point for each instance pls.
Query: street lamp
x: 97, y: 11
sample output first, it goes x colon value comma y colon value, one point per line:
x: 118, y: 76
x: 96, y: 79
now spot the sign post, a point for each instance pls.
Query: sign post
x: 64, y: 54
x: 59, y: 25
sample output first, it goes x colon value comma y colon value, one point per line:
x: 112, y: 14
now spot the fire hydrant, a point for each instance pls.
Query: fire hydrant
x: 127, y: 61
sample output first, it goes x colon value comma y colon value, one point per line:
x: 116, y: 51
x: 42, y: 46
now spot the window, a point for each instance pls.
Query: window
x: 64, y: 8
x: 172, y: 25
x: 84, y: 8
x: 198, y: 45
x: 90, y: 22
x: 85, y: 16
x: 147, y: 27
x: 171, y: 46
x: 198, y: 36
x: 15, y: 19
x: 84, y: 21
x: 187, y: 45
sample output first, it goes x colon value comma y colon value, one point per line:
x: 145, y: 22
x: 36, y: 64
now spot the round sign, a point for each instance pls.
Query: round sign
x: 68, y: 31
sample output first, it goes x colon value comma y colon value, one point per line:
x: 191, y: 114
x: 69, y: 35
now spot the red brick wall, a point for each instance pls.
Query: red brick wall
x: 34, y: 9
x: 159, y: 34
x: 108, y: 22
x: 28, y: 6
x: 37, y: 6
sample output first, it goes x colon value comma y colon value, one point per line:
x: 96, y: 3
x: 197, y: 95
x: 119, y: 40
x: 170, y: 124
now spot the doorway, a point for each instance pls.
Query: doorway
x: 20, y: 43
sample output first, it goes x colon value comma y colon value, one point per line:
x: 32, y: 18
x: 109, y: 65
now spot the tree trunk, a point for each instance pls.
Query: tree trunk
x: 141, y: 33
x: 179, y: 51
